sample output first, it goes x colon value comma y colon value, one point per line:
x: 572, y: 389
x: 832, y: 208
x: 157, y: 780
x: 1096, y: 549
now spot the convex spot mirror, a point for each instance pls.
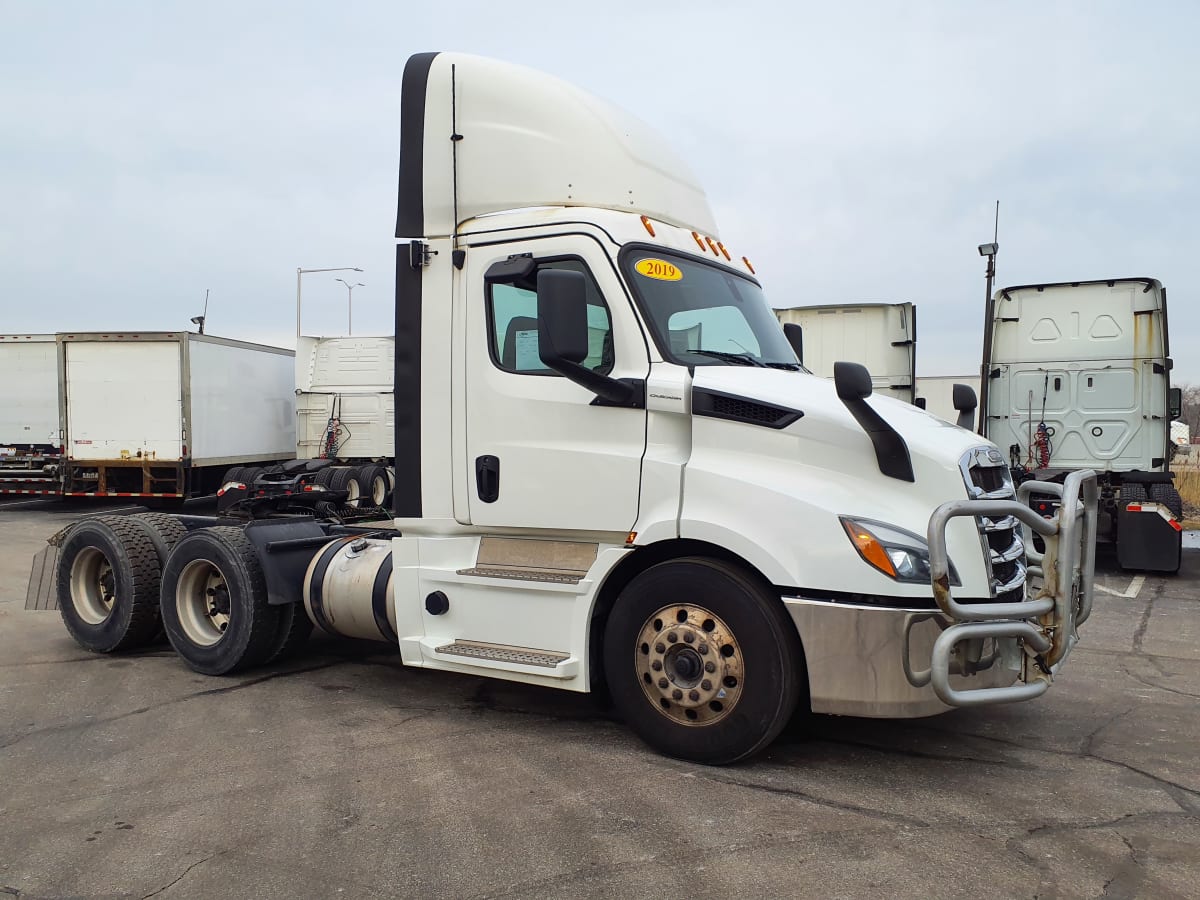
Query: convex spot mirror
x: 965, y: 401
x: 1175, y: 401
x: 852, y: 381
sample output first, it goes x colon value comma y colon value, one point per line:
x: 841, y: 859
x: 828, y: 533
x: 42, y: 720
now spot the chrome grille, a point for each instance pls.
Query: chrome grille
x: 987, y: 477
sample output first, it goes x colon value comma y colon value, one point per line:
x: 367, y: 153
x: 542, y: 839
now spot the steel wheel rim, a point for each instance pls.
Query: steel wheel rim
x: 93, y: 586
x: 353, y: 494
x: 379, y: 489
x: 202, y: 602
x: 689, y: 664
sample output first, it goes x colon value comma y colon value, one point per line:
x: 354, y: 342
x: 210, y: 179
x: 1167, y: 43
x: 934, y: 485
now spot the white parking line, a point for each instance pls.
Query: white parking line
x: 1130, y: 593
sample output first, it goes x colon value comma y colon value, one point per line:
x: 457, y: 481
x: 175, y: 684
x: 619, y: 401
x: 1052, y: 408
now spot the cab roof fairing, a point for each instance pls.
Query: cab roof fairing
x: 527, y: 139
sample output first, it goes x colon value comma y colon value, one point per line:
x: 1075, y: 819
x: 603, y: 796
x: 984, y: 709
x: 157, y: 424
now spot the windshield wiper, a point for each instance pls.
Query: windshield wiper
x: 791, y: 367
x: 745, y: 359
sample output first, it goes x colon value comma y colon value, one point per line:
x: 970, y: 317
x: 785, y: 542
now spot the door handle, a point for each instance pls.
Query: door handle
x: 487, y: 478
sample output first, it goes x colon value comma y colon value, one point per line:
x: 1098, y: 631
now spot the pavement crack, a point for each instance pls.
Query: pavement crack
x: 182, y: 875
x: 841, y: 806
x: 1140, y: 634
x: 1089, y: 742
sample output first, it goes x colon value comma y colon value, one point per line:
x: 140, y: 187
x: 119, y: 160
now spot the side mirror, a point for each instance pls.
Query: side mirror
x: 795, y: 336
x: 852, y: 381
x: 562, y: 317
x: 965, y: 402
x: 921, y: 403
x: 563, y: 338
x: 1175, y: 402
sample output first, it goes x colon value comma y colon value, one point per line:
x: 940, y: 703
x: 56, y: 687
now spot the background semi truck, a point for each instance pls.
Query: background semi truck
x: 613, y: 472
x: 345, y: 411
x: 1077, y: 376
x: 142, y: 414
x: 880, y: 336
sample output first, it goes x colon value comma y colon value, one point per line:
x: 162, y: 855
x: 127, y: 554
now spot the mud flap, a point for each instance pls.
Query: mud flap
x: 42, y: 592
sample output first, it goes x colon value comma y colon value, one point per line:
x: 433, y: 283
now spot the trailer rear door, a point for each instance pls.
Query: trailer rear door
x: 28, y: 392
x: 123, y: 399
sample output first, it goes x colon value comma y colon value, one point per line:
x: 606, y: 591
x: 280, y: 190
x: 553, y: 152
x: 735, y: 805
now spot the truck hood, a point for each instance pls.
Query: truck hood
x: 804, y: 477
x: 826, y: 420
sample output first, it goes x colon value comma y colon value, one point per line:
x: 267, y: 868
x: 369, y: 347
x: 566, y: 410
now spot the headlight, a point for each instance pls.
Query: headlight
x: 898, y: 554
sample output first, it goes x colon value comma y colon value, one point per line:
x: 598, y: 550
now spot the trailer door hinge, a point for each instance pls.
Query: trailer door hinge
x: 419, y: 254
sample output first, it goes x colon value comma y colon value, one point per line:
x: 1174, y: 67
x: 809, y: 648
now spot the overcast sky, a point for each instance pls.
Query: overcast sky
x: 150, y: 151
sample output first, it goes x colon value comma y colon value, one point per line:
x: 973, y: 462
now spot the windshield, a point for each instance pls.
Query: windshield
x: 705, y: 315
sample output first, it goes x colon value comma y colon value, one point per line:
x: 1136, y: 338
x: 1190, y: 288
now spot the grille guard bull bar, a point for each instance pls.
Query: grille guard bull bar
x: 1046, y: 623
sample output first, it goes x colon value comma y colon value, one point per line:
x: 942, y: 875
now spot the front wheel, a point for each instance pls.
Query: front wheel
x: 702, y: 660
x: 214, y: 602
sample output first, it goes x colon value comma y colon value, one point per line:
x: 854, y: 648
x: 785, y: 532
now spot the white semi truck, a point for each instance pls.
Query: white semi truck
x: 345, y: 412
x: 1077, y: 375
x: 139, y: 414
x: 612, y: 471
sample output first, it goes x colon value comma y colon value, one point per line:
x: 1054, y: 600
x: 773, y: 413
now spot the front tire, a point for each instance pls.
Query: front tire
x: 702, y: 660
x: 214, y: 603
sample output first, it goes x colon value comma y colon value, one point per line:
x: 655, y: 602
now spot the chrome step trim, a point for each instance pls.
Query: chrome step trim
x: 525, y: 656
x: 523, y: 574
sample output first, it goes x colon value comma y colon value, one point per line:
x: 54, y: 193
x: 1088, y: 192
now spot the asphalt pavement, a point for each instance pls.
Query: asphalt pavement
x: 344, y: 774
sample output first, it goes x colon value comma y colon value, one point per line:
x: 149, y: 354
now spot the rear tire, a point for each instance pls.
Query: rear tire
x: 294, y: 628
x: 234, y: 474
x: 214, y: 603
x: 108, y: 573
x: 250, y: 474
x: 165, y: 531
x: 1169, y: 497
x: 1133, y: 492
x: 343, y: 480
x: 702, y: 660
x: 372, y: 485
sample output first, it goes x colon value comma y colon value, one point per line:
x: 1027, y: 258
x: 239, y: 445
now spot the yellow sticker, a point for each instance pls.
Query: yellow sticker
x: 657, y: 269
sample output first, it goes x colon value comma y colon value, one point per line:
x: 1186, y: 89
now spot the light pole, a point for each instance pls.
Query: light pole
x: 300, y: 272
x: 349, y: 303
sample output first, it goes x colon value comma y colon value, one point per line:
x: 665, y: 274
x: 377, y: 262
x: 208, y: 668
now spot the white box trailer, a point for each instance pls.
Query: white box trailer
x: 344, y: 402
x: 166, y: 413
x: 30, y: 440
x: 880, y: 336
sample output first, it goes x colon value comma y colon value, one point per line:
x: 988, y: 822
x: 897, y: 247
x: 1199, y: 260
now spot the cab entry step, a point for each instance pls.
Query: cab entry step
x: 525, y: 656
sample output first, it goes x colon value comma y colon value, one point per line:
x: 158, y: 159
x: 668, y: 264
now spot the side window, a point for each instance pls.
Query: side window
x: 513, y: 324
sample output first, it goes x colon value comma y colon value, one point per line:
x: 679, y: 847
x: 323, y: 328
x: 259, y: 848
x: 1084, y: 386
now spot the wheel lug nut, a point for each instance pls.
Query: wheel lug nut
x: 706, y: 684
x: 703, y: 648
x: 672, y: 637
x: 660, y: 647
x: 656, y: 666
x: 663, y: 683
x: 693, y: 695
x: 677, y: 694
x: 710, y: 667
x: 689, y: 638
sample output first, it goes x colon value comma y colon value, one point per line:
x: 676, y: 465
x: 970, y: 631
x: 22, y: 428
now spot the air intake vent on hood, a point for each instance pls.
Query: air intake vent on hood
x: 717, y: 405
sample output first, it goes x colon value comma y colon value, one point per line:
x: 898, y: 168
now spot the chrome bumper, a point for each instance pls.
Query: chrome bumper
x: 875, y: 662
x: 878, y: 661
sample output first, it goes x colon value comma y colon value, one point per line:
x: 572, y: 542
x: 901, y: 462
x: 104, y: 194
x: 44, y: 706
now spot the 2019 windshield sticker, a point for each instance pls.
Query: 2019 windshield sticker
x: 659, y: 270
